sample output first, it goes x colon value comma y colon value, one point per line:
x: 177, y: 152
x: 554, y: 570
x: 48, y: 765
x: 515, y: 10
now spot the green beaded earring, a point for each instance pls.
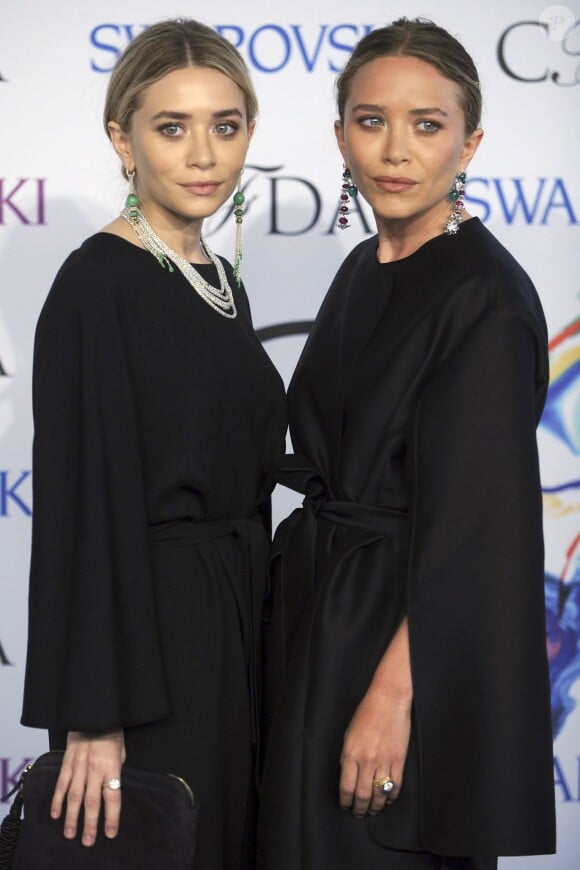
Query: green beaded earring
x: 132, y: 201
x: 239, y: 212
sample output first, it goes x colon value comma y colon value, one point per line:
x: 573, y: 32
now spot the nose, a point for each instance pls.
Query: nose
x: 396, y: 144
x: 200, y: 152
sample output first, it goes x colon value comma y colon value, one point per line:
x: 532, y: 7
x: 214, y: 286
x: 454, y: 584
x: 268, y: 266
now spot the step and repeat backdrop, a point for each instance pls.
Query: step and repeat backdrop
x: 60, y: 182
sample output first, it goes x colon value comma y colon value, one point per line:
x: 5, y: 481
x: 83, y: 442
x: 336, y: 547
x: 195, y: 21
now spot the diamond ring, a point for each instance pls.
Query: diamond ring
x: 384, y: 785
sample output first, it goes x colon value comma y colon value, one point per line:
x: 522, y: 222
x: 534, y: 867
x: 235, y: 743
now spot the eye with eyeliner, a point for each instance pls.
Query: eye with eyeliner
x: 226, y: 129
x: 374, y: 122
x: 370, y: 122
x: 170, y: 129
x: 428, y: 126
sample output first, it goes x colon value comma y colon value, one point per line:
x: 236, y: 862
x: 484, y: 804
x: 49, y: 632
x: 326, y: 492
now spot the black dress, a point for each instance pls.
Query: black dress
x: 412, y: 413
x: 156, y: 422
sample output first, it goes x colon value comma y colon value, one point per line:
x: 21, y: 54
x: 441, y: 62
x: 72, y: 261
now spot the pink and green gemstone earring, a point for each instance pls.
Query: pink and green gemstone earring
x: 348, y: 189
x: 456, y: 195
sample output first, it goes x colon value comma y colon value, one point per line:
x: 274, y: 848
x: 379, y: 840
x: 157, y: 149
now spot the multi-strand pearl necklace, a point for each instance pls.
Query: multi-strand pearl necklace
x: 220, y: 299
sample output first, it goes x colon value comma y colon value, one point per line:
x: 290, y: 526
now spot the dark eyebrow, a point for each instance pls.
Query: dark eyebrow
x: 430, y: 111
x: 372, y: 107
x: 172, y: 116
x: 184, y: 116
x: 368, y: 107
x: 227, y: 113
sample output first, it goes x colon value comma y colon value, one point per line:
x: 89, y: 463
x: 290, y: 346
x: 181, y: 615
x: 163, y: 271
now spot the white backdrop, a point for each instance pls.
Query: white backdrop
x: 60, y: 182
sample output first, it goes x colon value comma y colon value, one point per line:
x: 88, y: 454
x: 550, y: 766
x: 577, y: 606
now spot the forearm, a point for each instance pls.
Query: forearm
x: 377, y: 738
x: 392, y: 676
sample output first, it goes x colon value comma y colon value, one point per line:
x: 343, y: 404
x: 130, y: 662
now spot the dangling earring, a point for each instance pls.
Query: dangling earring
x: 348, y: 188
x: 456, y: 195
x: 132, y: 201
x: 239, y: 212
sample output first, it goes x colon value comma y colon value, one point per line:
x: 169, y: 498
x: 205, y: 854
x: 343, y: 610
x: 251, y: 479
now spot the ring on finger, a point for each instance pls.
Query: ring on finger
x: 114, y: 784
x: 384, y: 785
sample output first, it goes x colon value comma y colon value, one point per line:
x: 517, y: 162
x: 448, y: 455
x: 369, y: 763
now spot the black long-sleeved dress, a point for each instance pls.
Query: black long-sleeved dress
x: 412, y: 413
x: 156, y: 423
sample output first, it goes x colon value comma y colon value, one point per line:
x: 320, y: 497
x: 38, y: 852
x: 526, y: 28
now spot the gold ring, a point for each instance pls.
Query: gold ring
x: 385, y: 784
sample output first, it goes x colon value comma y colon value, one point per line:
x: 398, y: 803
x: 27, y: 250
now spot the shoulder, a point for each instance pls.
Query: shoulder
x: 98, y: 270
x: 495, y: 276
x: 89, y: 284
x: 460, y: 279
x: 473, y: 294
x: 505, y: 317
x: 91, y: 268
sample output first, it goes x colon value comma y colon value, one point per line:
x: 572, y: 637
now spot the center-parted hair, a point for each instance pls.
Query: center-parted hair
x: 425, y: 40
x: 162, y: 48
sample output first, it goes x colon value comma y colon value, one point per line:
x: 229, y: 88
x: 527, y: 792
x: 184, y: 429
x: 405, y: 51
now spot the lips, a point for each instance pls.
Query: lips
x: 201, y: 188
x: 395, y: 184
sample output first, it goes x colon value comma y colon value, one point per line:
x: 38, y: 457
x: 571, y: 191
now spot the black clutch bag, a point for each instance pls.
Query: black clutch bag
x: 156, y: 832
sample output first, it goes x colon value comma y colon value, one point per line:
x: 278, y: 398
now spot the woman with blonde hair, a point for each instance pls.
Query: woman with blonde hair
x: 408, y: 699
x: 157, y: 415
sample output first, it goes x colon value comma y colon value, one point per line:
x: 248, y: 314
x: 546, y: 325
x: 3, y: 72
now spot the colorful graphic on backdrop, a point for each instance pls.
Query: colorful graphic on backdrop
x: 562, y: 418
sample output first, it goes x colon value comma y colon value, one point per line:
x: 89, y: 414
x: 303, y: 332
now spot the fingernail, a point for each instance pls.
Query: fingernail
x: 69, y: 832
x: 110, y: 832
x: 87, y: 840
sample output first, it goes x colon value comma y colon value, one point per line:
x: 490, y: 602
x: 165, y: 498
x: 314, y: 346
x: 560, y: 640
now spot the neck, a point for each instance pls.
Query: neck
x: 400, y: 238
x: 181, y: 234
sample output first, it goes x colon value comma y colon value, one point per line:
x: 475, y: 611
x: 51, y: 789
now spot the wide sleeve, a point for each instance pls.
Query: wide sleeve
x: 476, y: 596
x: 93, y: 658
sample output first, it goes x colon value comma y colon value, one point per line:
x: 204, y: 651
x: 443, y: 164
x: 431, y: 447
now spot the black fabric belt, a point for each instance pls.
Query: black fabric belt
x: 367, y: 518
x: 295, y: 472
x: 293, y: 555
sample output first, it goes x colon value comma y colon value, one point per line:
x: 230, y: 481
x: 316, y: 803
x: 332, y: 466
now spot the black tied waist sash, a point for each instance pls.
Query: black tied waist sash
x: 293, y: 559
x: 249, y: 587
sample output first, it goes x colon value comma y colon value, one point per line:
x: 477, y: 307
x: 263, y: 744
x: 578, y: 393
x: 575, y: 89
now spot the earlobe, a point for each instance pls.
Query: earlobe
x: 339, y: 133
x: 121, y: 144
x: 470, y: 146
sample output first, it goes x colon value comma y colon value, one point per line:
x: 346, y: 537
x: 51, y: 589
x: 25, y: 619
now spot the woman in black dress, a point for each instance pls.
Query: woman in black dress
x: 157, y: 415
x: 407, y: 682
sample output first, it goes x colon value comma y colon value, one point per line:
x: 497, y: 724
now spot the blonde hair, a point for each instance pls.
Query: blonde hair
x: 162, y: 48
x: 425, y: 40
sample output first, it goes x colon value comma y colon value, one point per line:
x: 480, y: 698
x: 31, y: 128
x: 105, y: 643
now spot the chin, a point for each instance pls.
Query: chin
x: 195, y: 214
x: 395, y: 215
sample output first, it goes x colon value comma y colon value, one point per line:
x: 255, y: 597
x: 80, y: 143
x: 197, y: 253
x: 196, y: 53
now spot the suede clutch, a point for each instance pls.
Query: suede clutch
x: 157, y: 828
